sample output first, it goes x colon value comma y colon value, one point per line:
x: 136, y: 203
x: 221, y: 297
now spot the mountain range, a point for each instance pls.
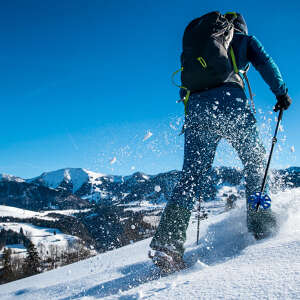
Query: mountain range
x: 110, y: 211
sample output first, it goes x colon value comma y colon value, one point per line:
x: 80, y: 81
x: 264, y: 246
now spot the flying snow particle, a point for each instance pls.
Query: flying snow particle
x: 113, y: 160
x: 228, y: 94
x: 147, y: 136
x: 280, y: 128
x: 293, y: 149
x: 132, y: 168
x: 157, y: 188
x: 172, y: 126
x: 132, y: 227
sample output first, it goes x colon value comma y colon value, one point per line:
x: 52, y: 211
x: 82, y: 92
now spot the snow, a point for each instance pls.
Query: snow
x: 146, y: 176
x: 16, y: 249
x: 113, y: 160
x: 157, y: 188
x: 228, y: 264
x: 293, y: 149
x: 94, y: 177
x: 147, y: 136
x: 9, y: 211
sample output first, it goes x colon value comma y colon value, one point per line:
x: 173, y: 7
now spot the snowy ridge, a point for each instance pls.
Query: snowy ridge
x: 6, y: 177
x: 228, y: 264
x: 76, y: 176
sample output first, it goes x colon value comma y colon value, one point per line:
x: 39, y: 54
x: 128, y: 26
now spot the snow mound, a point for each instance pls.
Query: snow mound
x: 228, y: 264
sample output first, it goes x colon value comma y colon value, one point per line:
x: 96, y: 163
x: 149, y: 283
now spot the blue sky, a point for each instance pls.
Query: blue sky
x: 84, y: 81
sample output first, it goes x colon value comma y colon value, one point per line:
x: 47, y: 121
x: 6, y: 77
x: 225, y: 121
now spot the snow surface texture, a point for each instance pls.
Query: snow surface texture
x: 228, y: 264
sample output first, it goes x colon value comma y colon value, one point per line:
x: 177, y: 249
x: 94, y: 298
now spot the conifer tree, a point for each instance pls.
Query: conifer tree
x: 7, y: 272
x: 32, y: 261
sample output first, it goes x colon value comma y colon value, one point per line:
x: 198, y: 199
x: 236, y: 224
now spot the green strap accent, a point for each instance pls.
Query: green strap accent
x: 188, y: 92
x: 185, y: 101
x: 173, y: 81
x: 235, y: 68
x: 231, y: 13
x: 202, y: 62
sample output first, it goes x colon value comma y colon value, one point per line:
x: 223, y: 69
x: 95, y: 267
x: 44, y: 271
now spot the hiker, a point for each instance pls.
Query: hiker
x: 213, y: 113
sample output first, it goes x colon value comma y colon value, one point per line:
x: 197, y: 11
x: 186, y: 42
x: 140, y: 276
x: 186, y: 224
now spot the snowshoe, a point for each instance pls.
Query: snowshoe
x: 262, y: 224
x: 167, y: 261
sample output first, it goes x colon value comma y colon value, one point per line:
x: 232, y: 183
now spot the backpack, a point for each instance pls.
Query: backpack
x: 205, y: 61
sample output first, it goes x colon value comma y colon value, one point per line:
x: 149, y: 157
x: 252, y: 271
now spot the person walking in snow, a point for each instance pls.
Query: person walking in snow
x: 214, y: 113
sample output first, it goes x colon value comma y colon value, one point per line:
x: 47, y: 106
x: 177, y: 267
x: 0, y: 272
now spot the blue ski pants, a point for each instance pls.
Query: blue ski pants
x: 223, y: 112
x: 214, y: 114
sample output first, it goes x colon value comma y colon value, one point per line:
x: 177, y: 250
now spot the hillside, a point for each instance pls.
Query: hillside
x: 228, y: 264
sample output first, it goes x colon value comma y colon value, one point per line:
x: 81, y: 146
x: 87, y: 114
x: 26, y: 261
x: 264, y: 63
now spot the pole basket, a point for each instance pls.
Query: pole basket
x: 258, y: 199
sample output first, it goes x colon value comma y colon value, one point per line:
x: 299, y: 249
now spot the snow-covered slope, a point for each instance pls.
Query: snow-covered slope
x: 42, y: 237
x: 228, y: 264
x: 9, y: 211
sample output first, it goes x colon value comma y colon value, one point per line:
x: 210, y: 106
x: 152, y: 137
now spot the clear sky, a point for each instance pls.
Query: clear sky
x: 82, y: 82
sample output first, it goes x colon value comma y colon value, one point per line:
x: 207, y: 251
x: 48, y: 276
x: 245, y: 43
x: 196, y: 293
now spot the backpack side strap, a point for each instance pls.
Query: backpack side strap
x: 244, y: 73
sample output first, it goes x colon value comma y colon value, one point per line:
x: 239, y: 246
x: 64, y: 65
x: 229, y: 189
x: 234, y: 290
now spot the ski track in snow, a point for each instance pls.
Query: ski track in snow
x: 228, y: 264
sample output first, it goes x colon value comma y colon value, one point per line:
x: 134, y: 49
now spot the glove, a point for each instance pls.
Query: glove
x: 283, y: 102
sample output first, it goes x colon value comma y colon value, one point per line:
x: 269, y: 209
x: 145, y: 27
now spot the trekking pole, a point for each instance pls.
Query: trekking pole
x: 259, y: 199
x: 198, y: 221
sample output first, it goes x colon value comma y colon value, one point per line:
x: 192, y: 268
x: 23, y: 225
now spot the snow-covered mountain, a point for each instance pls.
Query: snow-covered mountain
x: 6, y: 177
x: 228, y: 264
x: 105, y: 208
x: 69, y: 177
x: 74, y: 188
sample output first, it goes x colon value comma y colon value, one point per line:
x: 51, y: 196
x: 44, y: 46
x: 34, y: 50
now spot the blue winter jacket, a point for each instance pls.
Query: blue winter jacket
x: 249, y: 49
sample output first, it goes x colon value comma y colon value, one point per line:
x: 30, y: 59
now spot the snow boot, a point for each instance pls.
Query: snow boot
x: 170, y: 235
x: 167, y: 261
